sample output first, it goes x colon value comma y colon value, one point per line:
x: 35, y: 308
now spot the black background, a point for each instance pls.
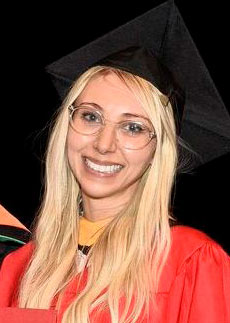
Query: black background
x: 34, y: 35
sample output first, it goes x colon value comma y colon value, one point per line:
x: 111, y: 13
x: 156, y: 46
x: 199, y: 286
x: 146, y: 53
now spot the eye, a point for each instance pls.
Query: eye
x: 134, y: 128
x: 90, y: 116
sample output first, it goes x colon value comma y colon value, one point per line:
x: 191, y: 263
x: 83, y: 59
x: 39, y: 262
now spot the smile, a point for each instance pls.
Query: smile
x: 102, y: 168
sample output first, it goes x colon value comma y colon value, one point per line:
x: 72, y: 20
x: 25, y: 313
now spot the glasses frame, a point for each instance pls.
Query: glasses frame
x: 105, y: 121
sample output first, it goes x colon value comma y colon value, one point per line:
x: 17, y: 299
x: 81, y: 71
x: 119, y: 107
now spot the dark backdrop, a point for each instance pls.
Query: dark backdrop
x: 35, y: 35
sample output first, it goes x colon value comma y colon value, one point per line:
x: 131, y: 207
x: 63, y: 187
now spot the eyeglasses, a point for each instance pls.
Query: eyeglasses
x: 132, y: 134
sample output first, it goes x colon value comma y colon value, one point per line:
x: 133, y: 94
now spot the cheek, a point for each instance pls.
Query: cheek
x: 74, y: 145
x: 140, y: 159
x: 75, y: 142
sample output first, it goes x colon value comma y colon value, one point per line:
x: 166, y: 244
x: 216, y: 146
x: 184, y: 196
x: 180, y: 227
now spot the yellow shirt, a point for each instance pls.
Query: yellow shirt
x: 90, y: 231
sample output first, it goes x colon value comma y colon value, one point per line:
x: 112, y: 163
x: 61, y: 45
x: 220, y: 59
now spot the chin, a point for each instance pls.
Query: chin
x: 97, y: 193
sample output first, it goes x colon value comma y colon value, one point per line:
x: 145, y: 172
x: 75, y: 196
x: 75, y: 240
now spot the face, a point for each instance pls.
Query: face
x: 110, y: 93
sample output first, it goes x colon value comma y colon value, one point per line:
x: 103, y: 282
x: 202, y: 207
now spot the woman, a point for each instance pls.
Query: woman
x: 132, y: 249
x: 106, y: 246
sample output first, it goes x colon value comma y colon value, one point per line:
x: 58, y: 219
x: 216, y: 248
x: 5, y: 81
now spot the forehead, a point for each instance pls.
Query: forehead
x: 111, y: 93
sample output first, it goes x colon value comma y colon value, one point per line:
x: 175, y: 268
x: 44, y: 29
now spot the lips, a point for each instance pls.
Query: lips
x: 102, y: 162
x: 101, y: 171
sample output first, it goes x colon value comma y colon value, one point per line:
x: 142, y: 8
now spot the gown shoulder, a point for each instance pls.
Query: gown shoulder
x: 196, y: 275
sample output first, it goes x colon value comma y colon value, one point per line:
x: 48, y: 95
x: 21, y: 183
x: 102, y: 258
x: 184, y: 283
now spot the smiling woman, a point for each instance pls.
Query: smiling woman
x: 106, y: 160
x: 106, y: 246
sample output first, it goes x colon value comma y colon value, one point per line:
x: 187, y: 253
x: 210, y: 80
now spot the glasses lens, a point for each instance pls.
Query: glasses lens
x: 134, y: 135
x: 86, y: 120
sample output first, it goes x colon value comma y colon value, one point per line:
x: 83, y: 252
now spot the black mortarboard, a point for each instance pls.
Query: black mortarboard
x: 158, y: 47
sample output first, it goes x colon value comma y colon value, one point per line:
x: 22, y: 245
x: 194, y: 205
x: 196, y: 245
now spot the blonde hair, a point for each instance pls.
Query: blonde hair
x: 128, y: 257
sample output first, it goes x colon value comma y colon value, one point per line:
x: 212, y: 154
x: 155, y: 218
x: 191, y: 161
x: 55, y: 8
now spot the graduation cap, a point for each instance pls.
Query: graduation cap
x: 158, y: 47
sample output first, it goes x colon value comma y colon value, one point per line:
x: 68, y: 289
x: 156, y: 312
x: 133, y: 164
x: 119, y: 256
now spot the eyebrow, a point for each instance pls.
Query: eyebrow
x: 125, y: 114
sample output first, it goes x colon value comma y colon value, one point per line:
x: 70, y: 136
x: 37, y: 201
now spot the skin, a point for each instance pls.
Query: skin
x: 104, y: 197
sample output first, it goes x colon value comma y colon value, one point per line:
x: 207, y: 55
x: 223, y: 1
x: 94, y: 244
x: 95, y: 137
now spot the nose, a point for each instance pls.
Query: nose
x: 106, y: 140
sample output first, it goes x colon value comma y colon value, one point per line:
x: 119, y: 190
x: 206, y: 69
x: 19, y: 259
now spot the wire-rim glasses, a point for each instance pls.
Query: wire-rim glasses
x: 87, y: 120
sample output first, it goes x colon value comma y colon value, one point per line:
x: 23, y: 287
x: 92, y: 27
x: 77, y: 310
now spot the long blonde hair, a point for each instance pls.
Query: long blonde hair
x: 128, y: 257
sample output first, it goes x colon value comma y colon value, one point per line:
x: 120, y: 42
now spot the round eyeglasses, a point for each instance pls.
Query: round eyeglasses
x: 132, y: 133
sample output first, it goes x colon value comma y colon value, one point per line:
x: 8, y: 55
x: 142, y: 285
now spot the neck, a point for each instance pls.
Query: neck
x: 103, y: 208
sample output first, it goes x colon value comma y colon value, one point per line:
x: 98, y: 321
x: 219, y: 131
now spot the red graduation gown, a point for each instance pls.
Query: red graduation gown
x: 194, y: 286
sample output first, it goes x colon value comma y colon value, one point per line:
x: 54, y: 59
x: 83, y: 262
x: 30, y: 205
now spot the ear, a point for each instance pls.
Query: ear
x: 151, y: 162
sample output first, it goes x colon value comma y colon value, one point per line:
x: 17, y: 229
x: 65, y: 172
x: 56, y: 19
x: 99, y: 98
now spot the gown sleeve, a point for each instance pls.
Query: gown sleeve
x: 206, y: 291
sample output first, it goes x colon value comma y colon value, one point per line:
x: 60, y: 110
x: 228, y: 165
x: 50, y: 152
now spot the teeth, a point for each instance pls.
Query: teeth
x: 103, y: 169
